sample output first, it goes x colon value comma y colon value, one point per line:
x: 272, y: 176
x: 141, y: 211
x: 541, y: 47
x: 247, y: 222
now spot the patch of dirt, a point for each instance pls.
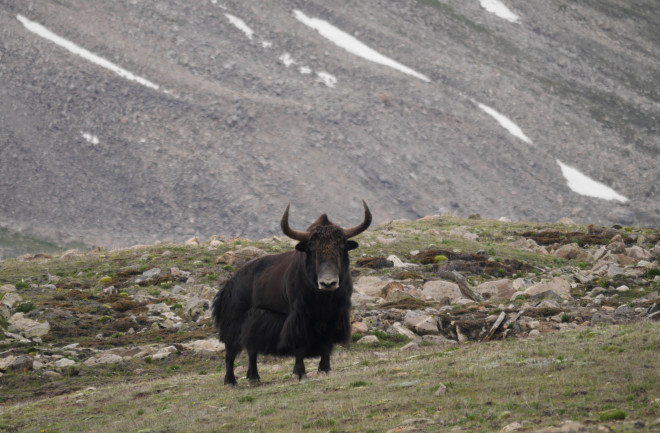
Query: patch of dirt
x: 374, y: 263
x: 475, y: 264
x: 563, y: 238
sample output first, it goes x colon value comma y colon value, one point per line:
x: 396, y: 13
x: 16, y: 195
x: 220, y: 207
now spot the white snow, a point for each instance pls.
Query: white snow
x: 305, y: 70
x: 267, y: 44
x: 87, y: 55
x: 327, y: 79
x: 240, y: 24
x: 352, y: 45
x: 498, y: 8
x: 505, y: 122
x: 586, y: 186
x: 287, y: 59
x: 93, y: 139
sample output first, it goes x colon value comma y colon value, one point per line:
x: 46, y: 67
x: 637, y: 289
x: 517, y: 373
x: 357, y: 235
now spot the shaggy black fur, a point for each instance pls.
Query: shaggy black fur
x: 273, y: 304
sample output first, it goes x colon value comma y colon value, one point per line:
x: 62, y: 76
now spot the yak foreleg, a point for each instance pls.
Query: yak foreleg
x: 230, y: 356
x: 299, y: 367
x: 252, y: 373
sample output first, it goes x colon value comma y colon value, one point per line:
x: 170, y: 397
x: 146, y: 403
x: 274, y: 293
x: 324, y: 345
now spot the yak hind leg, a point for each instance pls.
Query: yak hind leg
x: 324, y: 364
x: 253, y: 373
x: 230, y: 355
x: 299, y: 367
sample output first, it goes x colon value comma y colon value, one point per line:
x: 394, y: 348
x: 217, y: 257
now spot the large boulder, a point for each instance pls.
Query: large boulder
x: 440, y: 290
x: 28, y: 328
x: 557, y: 285
x: 499, y: 289
x: 421, y: 323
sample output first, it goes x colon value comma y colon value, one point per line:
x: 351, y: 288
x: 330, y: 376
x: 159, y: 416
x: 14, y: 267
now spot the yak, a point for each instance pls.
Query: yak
x: 292, y: 304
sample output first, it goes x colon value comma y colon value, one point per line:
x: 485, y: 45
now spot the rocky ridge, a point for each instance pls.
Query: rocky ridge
x: 438, y: 281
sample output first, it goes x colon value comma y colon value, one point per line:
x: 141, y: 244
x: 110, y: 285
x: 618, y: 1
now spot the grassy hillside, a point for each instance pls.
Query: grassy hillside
x: 119, y: 355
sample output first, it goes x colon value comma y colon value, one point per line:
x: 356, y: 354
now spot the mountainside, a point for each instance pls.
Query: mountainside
x: 222, y: 112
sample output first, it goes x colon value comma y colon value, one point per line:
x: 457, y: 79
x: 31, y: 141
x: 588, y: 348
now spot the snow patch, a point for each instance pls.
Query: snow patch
x: 85, y: 54
x: 305, y: 70
x: 506, y: 123
x: 287, y: 59
x: 327, y: 79
x: 352, y: 45
x: 266, y: 44
x: 498, y: 8
x: 240, y: 24
x: 586, y: 186
x: 93, y: 139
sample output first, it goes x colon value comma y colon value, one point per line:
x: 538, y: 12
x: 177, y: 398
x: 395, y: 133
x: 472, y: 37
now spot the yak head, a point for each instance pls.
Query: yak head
x: 326, y: 247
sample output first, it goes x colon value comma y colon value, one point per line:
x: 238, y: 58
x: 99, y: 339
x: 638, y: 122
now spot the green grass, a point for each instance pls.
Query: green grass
x: 489, y: 385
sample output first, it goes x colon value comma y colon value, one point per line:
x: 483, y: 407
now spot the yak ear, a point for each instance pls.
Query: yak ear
x: 351, y: 245
x: 302, y: 246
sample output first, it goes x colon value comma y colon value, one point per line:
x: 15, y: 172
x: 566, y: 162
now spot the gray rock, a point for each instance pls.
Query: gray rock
x: 369, y: 340
x: 64, y: 362
x: 196, y: 308
x: 422, y: 324
x: 104, y: 358
x: 10, y: 299
x: 211, y: 345
x: 398, y: 328
x: 371, y: 286
x: 151, y: 273
x: 639, y: 253
x: 441, y: 290
x: 442, y: 390
x: 572, y: 252
x: 6, y: 288
x: 624, y: 309
x: 240, y: 256
x: 558, y: 286
x: 16, y: 363
x: 600, y: 317
x: 499, y: 289
x: 27, y: 327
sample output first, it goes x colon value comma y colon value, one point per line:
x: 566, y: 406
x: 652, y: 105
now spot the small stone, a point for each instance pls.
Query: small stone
x: 369, y: 340
x: 6, y: 288
x: 514, y: 426
x: 240, y: 256
x: 622, y: 288
x: 442, y: 390
x: 409, y: 347
x: 534, y: 333
x: 624, y: 309
x: 397, y: 262
x: 151, y: 273
x: 422, y: 324
x: 64, y: 362
x: 359, y: 328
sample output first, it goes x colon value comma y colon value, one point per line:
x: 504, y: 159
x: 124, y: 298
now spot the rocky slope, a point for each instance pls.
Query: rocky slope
x: 439, y: 281
x: 244, y: 121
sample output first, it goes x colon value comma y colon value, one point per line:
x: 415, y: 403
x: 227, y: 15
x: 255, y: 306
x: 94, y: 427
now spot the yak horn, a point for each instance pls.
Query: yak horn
x: 293, y: 234
x: 354, y: 231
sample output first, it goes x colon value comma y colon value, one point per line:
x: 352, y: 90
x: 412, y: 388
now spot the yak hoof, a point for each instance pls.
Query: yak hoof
x: 255, y: 381
x: 230, y: 382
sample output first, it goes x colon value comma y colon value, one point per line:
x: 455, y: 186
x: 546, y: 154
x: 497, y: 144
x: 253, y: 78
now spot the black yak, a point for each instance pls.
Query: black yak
x: 291, y: 304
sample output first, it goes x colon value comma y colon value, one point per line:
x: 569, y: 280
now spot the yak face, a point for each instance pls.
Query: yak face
x: 326, y: 255
x: 326, y: 248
